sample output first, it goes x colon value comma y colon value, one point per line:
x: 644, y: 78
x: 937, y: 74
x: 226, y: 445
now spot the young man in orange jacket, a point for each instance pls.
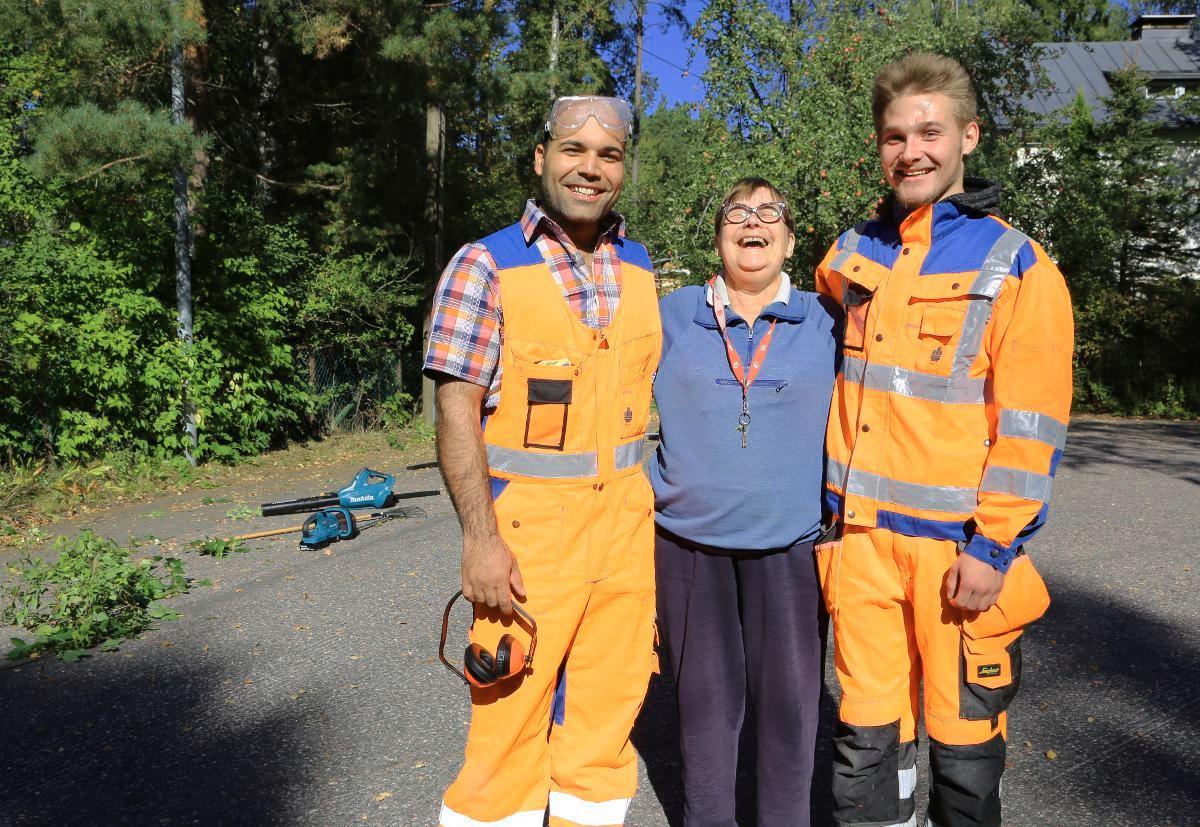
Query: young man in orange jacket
x: 544, y: 341
x: 948, y: 422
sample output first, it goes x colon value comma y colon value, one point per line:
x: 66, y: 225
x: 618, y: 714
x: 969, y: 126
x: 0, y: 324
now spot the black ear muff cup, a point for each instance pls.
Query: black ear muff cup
x: 481, y: 668
x: 503, y: 656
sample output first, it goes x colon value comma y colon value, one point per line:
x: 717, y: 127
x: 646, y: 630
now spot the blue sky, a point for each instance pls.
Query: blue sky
x: 666, y: 55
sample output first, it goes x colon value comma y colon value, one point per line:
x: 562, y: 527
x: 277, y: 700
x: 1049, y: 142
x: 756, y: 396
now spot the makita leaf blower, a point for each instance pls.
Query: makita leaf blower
x: 370, y: 489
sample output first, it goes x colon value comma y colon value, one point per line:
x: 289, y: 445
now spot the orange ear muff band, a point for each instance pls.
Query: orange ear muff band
x: 480, y: 667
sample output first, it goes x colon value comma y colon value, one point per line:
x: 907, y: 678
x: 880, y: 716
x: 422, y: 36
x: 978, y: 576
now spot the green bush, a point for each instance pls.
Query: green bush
x: 94, y: 594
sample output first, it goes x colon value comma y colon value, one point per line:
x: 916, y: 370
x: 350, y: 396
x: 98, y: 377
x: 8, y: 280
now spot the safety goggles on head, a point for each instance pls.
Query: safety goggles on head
x: 569, y: 114
x: 768, y: 213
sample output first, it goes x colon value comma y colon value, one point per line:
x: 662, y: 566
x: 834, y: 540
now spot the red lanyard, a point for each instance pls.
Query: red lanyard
x: 735, y: 361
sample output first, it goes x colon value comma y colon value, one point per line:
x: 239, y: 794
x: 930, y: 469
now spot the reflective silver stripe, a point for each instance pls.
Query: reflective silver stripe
x: 848, y: 249
x: 912, y: 383
x: 995, y: 270
x: 589, y: 813
x: 908, y: 769
x: 1033, y: 425
x: 546, y: 466
x: 629, y: 454
x: 1000, y: 480
x: 908, y: 782
x: 998, y: 264
x: 526, y: 818
x: 914, y: 495
x: 835, y: 473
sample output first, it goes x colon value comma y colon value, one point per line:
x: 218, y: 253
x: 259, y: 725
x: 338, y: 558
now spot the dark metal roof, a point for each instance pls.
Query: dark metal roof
x: 1083, y: 67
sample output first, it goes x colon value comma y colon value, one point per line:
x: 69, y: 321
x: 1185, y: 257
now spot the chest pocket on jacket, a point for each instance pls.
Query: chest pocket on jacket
x: 638, y: 359
x: 860, y: 278
x: 949, y: 320
x: 549, y: 391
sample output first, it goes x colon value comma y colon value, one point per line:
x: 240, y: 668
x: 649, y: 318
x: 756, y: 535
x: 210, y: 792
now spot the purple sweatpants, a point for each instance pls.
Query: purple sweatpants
x: 733, y: 623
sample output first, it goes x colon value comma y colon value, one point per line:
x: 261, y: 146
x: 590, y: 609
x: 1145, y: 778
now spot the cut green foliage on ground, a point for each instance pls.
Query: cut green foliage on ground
x: 218, y: 548
x: 95, y: 594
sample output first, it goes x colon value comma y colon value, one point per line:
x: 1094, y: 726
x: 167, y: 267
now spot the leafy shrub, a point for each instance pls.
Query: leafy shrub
x: 94, y: 594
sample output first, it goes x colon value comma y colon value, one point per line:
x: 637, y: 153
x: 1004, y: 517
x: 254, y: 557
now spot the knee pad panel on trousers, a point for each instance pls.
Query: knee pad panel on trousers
x: 980, y: 698
x: 965, y: 784
x: 866, y: 776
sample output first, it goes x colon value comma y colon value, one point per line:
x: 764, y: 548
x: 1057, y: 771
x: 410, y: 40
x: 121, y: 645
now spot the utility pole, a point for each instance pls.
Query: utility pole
x: 183, y: 240
x: 640, y: 10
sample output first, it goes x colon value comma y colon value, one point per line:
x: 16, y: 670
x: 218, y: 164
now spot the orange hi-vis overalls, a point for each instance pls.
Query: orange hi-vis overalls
x: 565, y: 451
x: 948, y: 421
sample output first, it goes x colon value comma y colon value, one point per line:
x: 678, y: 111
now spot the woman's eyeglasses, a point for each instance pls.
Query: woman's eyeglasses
x: 768, y: 213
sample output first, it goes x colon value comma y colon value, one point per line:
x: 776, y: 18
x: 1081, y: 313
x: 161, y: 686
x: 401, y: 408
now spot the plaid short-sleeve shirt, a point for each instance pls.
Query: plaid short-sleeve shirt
x: 464, y: 333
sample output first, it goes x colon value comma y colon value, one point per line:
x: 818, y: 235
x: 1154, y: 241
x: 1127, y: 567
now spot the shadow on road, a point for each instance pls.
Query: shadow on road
x: 1171, y: 448
x: 1120, y: 692
x: 98, y: 743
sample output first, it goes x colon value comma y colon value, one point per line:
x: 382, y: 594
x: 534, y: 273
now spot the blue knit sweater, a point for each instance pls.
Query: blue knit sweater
x: 707, y: 488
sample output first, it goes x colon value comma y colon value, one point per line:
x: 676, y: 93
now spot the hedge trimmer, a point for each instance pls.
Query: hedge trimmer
x: 329, y: 525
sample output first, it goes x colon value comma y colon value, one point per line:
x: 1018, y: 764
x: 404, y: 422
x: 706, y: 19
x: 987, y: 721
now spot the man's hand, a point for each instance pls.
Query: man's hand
x: 973, y: 585
x: 490, y: 575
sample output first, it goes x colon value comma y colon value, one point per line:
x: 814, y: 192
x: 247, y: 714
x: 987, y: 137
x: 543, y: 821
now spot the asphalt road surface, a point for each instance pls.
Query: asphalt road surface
x: 303, y: 687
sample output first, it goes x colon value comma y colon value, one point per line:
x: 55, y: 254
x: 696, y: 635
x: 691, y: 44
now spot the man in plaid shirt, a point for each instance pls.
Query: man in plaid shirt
x: 543, y: 343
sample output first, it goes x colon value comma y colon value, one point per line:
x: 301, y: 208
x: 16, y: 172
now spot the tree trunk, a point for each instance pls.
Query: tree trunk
x: 195, y: 57
x: 435, y: 157
x: 266, y: 71
x: 312, y: 386
x: 183, y: 252
x: 554, y: 24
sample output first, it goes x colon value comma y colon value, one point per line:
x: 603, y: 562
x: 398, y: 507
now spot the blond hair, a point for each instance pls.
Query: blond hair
x: 744, y: 188
x: 922, y: 73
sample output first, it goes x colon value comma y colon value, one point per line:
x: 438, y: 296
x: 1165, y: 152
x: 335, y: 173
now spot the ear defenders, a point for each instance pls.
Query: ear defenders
x: 482, y: 668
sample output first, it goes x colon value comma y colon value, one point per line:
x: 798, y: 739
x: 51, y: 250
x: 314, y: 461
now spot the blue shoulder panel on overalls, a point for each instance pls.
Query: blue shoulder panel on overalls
x: 508, y: 248
x: 631, y: 252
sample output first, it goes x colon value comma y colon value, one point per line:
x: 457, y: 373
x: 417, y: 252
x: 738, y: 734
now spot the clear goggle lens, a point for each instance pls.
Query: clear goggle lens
x: 570, y: 114
x: 768, y: 213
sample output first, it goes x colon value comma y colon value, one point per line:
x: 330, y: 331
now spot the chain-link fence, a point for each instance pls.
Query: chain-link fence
x: 353, y: 394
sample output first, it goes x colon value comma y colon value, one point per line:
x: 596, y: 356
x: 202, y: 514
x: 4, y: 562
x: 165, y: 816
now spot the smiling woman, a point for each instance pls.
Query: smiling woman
x: 738, y: 507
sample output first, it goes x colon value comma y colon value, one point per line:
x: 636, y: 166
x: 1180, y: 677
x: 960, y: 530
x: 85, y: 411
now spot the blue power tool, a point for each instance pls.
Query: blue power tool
x: 369, y: 489
x: 329, y: 525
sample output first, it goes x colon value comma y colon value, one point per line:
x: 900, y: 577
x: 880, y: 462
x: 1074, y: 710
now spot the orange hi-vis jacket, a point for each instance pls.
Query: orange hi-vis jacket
x: 950, y: 412
x: 575, y: 400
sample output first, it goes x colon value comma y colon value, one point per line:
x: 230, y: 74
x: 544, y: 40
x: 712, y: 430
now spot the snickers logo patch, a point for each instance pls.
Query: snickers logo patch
x: 988, y: 670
